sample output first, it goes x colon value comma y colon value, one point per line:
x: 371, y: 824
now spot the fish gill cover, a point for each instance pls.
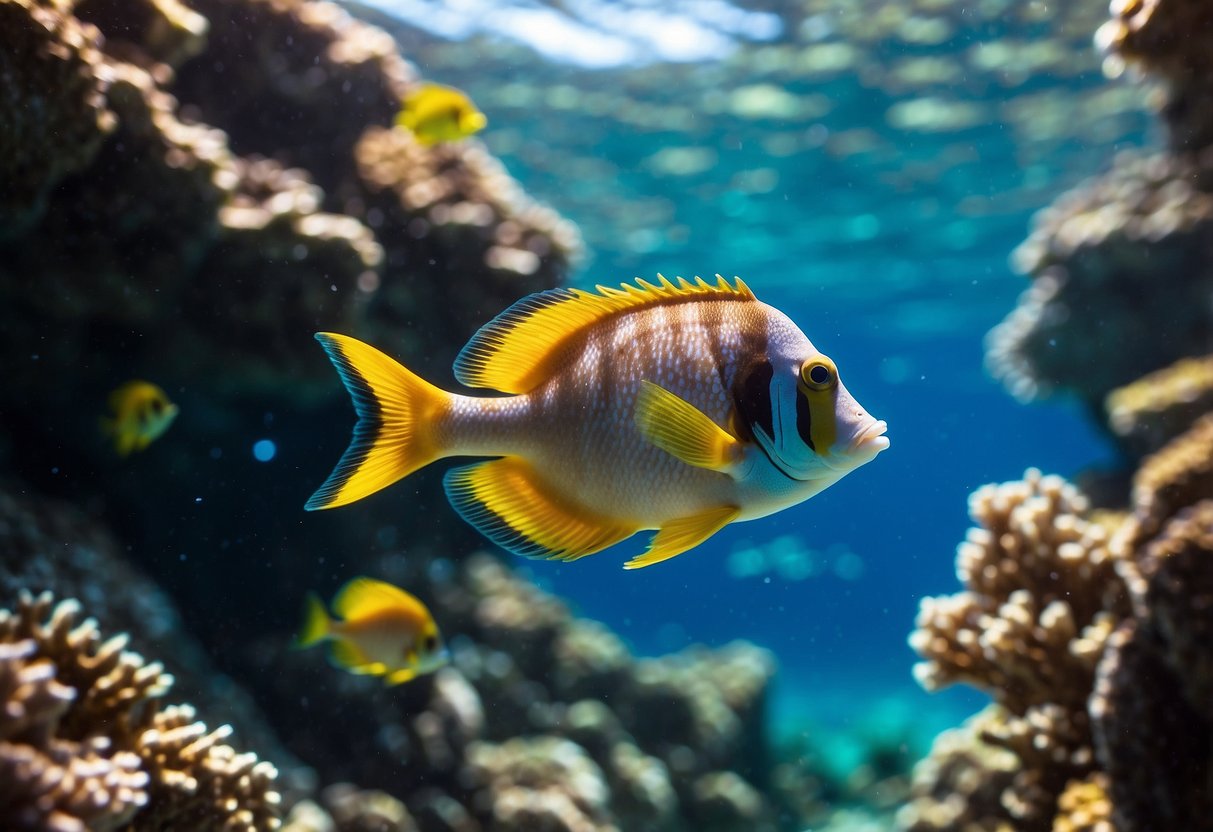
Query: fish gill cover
x: 191, y: 189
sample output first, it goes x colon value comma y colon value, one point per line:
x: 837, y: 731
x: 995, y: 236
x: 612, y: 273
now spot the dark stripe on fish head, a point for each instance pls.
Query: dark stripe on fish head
x: 752, y: 398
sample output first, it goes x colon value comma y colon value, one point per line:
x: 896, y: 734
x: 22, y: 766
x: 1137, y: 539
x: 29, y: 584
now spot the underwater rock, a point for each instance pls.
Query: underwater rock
x: 1119, y: 266
x: 1154, y: 748
x: 85, y: 743
x: 145, y: 32
x: 1169, y: 40
x: 52, y: 107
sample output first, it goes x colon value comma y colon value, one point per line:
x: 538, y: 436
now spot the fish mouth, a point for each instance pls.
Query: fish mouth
x: 871, y: 441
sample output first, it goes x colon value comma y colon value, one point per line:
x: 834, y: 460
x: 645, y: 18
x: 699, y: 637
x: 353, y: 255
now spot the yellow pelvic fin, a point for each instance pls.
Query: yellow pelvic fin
x: 363, y: 597
x: 516, y: 351
x: 394, y: 435
x: 507, y: 502
x: 682, y: 534
x: 315, y: 623
x: 683, y: 430
x: 398, y: 677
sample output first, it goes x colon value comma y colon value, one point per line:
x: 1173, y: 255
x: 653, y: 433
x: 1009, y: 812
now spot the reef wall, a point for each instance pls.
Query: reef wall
x: 1089, y: 627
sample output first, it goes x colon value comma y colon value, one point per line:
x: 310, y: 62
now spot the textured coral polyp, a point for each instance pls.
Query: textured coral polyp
x: 85, y: 745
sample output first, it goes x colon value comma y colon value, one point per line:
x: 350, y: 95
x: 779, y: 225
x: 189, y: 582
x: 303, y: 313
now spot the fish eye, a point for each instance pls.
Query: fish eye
x: 430, y: 644
x: 819, y: 374
x: 156, y: 406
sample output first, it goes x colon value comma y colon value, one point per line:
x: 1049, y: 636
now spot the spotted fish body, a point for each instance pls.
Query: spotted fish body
x: 676, y: 407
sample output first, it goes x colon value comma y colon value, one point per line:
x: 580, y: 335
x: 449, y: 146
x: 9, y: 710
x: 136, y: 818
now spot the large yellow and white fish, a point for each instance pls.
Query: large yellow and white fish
x: 140, y: 412
x: 680, y: 407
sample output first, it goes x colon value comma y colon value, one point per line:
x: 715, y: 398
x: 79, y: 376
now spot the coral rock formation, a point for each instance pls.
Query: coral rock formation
x: 84, y: 743
x: 1150, y: 412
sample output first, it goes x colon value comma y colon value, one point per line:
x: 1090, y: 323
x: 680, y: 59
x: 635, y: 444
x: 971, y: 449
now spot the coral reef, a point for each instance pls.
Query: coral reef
x: 1156, y: 408
x: 85, y: 744
x: 1099, y: 258
x: 541, y: 721
x: 1097, y: 653
x: 1120, y: 265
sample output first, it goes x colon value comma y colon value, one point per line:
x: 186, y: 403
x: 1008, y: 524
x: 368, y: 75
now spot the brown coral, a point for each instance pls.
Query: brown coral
x: 1170, y: 40
x: 1099, y: 258
x: 1156, y: 408
x: 1040, y: 583
x: 1084, y: 807
x: 52, y: 106
x: 959, y: 786
x: 84, y: 744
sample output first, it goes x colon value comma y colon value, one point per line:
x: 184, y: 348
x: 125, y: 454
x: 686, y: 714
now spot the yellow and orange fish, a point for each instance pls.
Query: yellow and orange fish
x: 383, y: 631
x: 140, y: 412
x: 680, y: 407
x: 435, y: 113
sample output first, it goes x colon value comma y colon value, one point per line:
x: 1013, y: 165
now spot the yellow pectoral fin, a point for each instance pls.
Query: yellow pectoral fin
x: 507, y: 502
x: 682, y: 534
x: 399, y: 677
x: 683, y: 430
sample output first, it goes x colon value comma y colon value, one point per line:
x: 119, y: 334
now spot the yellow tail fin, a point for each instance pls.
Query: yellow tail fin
x: 315, y: 623
x: 394, y: 435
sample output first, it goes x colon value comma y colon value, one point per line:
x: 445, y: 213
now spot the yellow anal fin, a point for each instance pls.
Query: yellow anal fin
x: 683, y: 430
x: 683, y: 534
x: 363, y: 597
x: 518, y: 349
x: 509, y: 504
x: 345, y: 654
x: 399, y: 677
x: 394, y: 435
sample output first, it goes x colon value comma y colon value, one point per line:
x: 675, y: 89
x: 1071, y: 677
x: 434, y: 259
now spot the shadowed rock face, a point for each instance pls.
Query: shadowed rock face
x: 208, y: 186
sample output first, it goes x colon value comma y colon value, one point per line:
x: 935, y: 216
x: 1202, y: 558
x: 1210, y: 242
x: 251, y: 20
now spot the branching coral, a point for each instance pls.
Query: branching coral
x: 1043, y: 597
x: 1040, y: 586
x: 85, y: 745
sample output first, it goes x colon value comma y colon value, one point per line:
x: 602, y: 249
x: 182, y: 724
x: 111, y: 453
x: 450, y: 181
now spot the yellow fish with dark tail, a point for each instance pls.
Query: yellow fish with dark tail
x: 140, y: 412
x: 383, y: 631
x: 680, y: 407
x: 434, y: 113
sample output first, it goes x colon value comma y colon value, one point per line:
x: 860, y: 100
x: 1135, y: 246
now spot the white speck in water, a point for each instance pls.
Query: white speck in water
x: 264, y: 450
x: 197, y: 499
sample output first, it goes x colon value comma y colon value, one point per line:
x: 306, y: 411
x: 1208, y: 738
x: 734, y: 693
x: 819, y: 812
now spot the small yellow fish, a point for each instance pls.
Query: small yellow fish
x: 435, y: 113
x: 384, y: 631
x: 140, y: 413
x: 676, y: 407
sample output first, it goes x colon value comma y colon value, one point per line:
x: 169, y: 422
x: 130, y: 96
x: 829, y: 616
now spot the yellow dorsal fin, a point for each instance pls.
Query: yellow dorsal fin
x: 513, y: 352
x: 682, y: 534
x: 362, y: 597
x: 509, y: 504
x: 683, y: 430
